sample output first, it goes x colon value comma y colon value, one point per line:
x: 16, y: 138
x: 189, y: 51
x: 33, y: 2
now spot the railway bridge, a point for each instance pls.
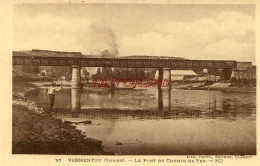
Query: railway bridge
x: 164, y: 66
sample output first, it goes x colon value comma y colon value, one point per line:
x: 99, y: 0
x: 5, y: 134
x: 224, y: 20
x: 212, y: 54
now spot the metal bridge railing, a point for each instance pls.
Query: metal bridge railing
x: 123, y: 63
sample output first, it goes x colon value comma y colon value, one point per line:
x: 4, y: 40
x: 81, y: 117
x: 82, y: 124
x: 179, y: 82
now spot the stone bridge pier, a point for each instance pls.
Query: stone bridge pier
x: 75, y: 88
x: 167, y: 76
x: 164, y: 99
x: 164, y: 74
x: 227, y: 74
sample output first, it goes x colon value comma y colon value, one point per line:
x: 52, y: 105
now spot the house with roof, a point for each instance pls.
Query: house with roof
x: 180, y: 75
x: 244, y: 70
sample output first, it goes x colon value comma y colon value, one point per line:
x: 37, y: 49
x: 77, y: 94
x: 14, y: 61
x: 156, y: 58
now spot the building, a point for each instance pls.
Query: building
x: 243, y: 65
x: 180, y: 75
x: 249, y: 73
x: 244, y: 70
x: 207, y: 77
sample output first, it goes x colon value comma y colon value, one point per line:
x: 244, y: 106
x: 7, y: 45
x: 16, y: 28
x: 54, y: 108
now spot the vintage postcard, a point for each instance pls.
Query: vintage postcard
x: 133, y: 83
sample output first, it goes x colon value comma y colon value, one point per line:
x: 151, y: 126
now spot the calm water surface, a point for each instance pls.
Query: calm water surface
x: 148, y: 121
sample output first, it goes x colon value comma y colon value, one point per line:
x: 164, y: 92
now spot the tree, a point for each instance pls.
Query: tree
x: 106, y: 73
x: 31, y: 69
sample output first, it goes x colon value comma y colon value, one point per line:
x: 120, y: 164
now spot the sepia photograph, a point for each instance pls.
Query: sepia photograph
x: 133, y: 79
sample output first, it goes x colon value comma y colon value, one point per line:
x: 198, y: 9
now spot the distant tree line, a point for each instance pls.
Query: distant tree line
x: 123, y: 74
x: 30, y: 69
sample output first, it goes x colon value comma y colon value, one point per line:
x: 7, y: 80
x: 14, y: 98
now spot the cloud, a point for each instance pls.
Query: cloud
x: 45, y: 23
x: 226, y: 47
x: 226, y: 35
x: 45, y: 31
x: 229, y: 35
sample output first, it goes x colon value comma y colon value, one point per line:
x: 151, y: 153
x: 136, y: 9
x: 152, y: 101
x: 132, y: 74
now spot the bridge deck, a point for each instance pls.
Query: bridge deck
x: 123, y: 63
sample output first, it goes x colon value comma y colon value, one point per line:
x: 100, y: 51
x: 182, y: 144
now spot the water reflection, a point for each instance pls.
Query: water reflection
x: 160, y: 99
x: 164, y: 99
x: 73, y: 114
x: 196, y: 121
x: 151, y: 103
x: 75, y: 99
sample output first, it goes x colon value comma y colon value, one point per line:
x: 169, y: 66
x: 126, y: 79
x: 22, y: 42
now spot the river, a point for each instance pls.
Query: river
x: 151, y: 122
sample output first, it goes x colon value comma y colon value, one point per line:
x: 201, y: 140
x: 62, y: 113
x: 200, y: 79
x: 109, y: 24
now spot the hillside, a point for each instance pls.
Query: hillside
x: 49, y: 53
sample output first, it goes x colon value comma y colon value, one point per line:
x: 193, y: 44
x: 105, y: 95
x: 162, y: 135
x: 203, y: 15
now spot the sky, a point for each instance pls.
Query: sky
x: 211, y: 32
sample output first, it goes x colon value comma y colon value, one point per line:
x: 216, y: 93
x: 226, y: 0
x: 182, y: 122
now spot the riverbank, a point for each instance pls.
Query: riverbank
x: 216, y: 86
x: 37, y: 134
x: 33, y: 132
